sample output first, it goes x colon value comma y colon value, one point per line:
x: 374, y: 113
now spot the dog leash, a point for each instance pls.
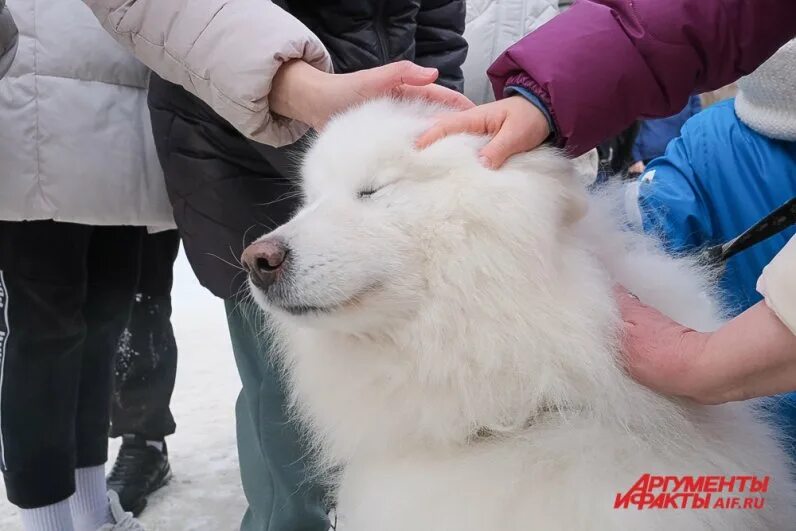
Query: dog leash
x: 775, y: 222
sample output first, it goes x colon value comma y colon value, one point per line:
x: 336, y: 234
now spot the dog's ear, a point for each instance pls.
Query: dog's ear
x: 576, y: 204
x: 570, y: 192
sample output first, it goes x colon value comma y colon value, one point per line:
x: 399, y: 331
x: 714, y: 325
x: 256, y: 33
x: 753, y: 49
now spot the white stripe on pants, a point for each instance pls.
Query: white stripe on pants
x: 5, y: 332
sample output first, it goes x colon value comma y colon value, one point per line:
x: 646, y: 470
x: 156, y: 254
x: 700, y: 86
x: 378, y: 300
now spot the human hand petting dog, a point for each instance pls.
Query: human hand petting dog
x: 515, y: 125
x: 309, y: 95
x: 752, y: 355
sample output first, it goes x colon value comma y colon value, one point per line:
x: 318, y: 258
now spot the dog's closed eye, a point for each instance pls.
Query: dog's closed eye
x: 364, y: 194
x: 370, y: 191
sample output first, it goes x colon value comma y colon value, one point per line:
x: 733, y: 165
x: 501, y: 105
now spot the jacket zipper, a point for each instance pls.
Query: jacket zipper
x: 380, y: 32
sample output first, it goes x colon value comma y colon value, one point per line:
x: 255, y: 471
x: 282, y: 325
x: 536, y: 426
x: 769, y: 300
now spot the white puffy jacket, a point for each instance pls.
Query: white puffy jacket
x: 493, y: 26
x: 75, y: 138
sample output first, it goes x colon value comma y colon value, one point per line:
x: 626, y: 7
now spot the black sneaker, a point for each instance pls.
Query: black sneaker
x: 139, y: 470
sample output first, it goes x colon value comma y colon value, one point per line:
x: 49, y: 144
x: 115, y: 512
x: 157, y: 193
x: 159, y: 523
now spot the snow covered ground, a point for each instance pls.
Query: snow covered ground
x: 205, y: 493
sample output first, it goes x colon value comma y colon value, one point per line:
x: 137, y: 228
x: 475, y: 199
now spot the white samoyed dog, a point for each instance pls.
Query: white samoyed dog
x: 451, y: 341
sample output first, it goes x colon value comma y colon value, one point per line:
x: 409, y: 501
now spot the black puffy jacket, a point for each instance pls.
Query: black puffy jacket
x: 226, y: 190
x: 365, y: 33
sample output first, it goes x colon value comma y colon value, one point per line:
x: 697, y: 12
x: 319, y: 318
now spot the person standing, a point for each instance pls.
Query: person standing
x: 80, y: 182
x: 146, y: 369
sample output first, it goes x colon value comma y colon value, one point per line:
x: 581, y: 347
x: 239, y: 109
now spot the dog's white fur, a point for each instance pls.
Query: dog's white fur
x: 460, y: 365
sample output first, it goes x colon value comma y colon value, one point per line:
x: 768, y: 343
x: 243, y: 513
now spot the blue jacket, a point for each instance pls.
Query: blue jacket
x: 654, y: 135
x: 715, y: 181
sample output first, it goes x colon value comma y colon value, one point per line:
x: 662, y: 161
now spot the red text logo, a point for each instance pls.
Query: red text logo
x: 694, y: 492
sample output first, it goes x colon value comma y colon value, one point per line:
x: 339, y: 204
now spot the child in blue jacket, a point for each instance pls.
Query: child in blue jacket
x: 733, y: 164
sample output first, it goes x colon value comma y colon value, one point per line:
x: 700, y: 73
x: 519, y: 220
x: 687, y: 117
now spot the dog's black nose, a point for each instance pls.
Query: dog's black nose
x: 263, y: 260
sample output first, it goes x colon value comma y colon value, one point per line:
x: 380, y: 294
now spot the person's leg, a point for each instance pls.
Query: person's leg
x: 42, y: 332
x: 146, y: 369
x: 146, y: 366
x: 225, y: 190
x: 113, y: 265
x: 268, y: 443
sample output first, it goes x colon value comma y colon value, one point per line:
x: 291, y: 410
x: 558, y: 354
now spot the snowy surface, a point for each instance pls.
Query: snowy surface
x: 205, y: 492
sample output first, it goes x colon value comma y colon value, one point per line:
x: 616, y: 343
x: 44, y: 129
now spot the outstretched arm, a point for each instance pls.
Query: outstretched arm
x: 604, y: 63
x: 593, y: 70
x: 226, y: 52
x: 255, y: 64
x: 751, y: 356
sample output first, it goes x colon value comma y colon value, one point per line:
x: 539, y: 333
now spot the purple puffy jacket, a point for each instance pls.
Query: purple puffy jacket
x: 604, y: 63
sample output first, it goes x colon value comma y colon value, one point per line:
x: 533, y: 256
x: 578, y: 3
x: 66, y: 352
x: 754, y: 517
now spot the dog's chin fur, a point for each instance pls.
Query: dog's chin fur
x: 479, y: 387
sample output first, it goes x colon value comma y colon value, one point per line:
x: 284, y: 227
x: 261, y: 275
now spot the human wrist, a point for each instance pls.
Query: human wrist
x: 752, y: 355
x: 531, y: 120
x: 519, y: 92
x: 696, y: 349
x: 294, y: 91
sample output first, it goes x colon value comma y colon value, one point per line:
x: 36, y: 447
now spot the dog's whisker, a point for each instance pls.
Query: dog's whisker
x: 236, y: 266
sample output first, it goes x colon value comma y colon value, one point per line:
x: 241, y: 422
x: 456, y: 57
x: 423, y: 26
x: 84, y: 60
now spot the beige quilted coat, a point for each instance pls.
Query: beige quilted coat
x: 226, y: 52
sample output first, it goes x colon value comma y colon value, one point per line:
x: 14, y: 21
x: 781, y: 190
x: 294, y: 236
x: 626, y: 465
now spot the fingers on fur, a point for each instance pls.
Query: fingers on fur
x: 451, y: 98
x: 449, y: 124
x: 438, y: 94
x: 503, y: 145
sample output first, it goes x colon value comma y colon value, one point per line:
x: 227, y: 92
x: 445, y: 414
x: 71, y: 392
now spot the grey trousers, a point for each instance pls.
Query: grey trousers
x: 273, y: 464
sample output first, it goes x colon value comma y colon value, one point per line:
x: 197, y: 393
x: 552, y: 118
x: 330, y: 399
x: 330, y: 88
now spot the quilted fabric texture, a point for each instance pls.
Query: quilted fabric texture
x: 76, y: 143
x: 492, y: 26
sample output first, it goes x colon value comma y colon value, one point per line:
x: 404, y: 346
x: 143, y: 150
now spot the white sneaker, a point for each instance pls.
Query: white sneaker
x: 122, y: 521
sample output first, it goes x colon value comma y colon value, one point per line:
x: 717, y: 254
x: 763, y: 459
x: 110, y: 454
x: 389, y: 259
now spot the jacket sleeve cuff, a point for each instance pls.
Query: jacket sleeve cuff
x: 778, y: 285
